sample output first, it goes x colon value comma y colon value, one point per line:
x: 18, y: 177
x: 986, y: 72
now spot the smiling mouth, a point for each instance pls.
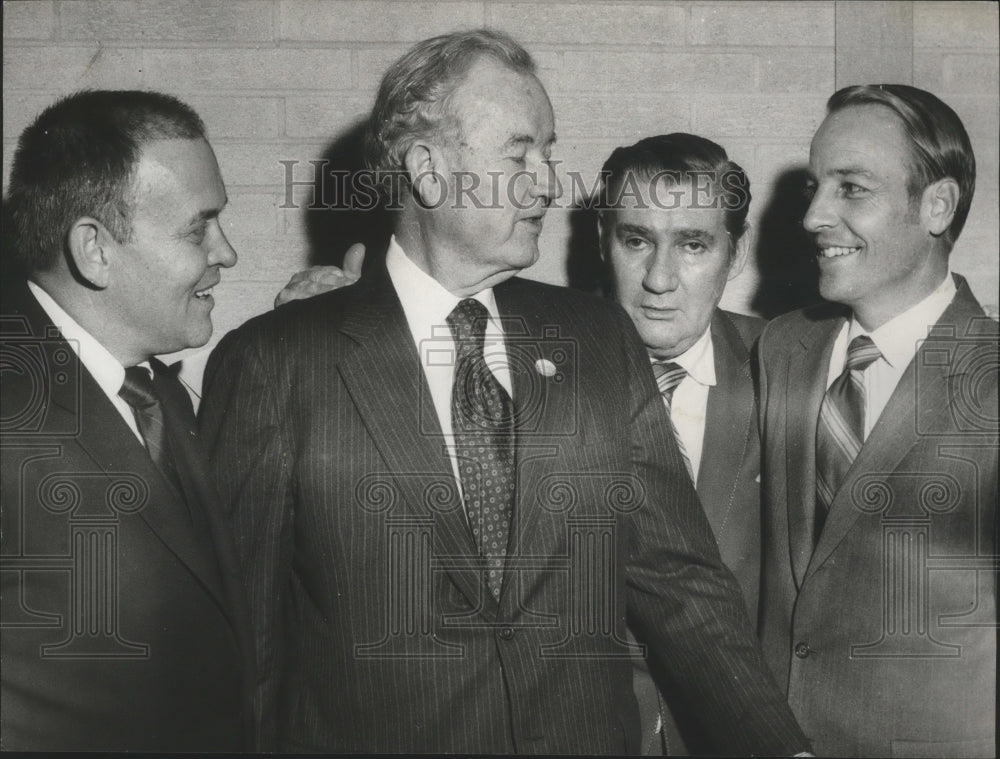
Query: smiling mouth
x: 837, y: 251
x: 204, y: 294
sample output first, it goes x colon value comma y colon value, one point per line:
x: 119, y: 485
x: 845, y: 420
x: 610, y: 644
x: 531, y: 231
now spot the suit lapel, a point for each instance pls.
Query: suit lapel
x: 390, y: 391
x: 805, y: 386
x: 226, y: 580
x: 898, y: 428
x: 729, y: 421
x: 107, y: 440
x: 542, y: 402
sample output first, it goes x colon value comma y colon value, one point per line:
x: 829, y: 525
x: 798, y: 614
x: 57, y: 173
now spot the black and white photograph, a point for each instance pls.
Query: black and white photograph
x: 461, y: 377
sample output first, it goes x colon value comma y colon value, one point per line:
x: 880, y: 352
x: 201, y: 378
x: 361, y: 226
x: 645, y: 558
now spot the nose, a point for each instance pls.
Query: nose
x: 547, y: 184
x: 222, y: 253
x: 820, y: 213
x: 661, y: 271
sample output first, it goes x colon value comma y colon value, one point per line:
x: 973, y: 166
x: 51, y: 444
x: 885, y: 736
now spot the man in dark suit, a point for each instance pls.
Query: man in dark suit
x: 124, y: 627
x: 449, y: 484
x: 670, y: 262
x: 879, y: 438
x: 673, y: 232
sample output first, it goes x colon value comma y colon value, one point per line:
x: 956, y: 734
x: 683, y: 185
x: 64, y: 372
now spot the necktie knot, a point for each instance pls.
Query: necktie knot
x: 862, y: 353
x: 137, y: 389
x: 668, y: 376
x: 467, y: 322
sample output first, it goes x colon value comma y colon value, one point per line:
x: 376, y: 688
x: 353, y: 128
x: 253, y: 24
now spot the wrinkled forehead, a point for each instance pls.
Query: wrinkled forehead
x: 645, y: 190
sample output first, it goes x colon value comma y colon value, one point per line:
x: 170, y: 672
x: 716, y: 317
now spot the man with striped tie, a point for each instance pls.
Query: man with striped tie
x: 673, y: 229
x: 879, y: 438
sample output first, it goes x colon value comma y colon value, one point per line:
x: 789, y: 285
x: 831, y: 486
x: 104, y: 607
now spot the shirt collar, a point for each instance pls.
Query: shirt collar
x: 426, y: 302
x: 106, y: 370
x: 899, y: 338
x: 698, y: 360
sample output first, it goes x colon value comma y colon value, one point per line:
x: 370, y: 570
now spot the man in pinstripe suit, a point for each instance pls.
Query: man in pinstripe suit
x: 415, y: 592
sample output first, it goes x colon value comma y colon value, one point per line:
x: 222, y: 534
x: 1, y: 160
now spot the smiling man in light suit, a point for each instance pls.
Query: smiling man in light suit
x: 449, y: 485
x: 879, y: 438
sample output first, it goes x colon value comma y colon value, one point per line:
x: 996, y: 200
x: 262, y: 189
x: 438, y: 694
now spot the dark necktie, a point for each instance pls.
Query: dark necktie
x: 482, y: 420
x: 668, y: 376
x: 138, y: 392
x: 841, y: 429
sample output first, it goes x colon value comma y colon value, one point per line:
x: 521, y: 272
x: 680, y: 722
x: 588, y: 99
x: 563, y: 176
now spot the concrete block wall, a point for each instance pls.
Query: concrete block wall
x: 283, y: 80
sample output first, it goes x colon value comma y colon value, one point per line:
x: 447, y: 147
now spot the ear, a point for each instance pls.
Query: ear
x: 938, y: 204
x: 423, y: 167
x: 742, y: 253
x: 90, y: 248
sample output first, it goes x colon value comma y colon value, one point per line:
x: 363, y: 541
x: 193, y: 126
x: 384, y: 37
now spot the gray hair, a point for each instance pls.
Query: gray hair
x: 413, y: 98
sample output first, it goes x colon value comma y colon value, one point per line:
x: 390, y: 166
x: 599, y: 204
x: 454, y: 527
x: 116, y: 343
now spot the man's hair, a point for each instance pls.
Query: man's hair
x: 413, y: 100
x: 78, y: 159
x: 680, y: 158
x: 939, y: 144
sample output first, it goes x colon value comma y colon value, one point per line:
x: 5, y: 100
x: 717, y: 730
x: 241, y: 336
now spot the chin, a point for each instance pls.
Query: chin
x: 198, y: 337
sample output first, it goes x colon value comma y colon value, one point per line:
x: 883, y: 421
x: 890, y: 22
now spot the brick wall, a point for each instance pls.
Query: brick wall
x: 290, y: 79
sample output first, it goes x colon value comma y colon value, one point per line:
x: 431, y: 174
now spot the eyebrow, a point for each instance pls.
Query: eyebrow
x: 690, y: 233
x: 207, y: 214
x: 525, y: 139
x: 847, y: 171
x: 695, y: 234
x: 635, y: 229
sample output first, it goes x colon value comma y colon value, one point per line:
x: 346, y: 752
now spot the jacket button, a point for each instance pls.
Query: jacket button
x: 506, y: 633
x: 802, y: 650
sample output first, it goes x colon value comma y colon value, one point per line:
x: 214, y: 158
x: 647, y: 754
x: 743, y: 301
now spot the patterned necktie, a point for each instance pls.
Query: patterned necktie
x: 668, y: 376
x: 482, y: 419
x: 841, y: 428
x: 138, y: 392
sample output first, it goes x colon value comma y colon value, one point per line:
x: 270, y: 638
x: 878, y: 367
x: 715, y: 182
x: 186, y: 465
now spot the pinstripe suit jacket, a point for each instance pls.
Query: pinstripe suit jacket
x: 885, y: 635
x: 729, y: 490
x: 374, y: 629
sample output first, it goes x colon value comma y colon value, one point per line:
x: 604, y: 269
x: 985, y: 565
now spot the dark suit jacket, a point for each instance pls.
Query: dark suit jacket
x: 729, y: 490
x: 885, y: 636
x: 123, y: 625
x: 374, y: 632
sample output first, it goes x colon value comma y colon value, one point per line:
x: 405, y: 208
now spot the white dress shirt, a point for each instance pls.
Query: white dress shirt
x: 689, y: 405
x: 898, y: 340
x: 106, y: 370
x: 427, y: 304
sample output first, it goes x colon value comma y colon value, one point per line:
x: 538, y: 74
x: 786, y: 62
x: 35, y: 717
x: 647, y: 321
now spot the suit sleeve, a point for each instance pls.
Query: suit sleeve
x: 244, y: 430
x: 686, y: 605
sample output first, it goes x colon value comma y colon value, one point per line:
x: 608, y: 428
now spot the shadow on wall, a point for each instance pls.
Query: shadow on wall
x: 788, y: 274
x: 585, y: 270
x: 345, y: 211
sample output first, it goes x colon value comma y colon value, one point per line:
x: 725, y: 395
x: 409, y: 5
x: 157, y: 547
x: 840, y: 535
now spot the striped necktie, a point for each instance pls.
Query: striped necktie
x: 668, y: 376
x: 482, y: 420
x: 841, y: 429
